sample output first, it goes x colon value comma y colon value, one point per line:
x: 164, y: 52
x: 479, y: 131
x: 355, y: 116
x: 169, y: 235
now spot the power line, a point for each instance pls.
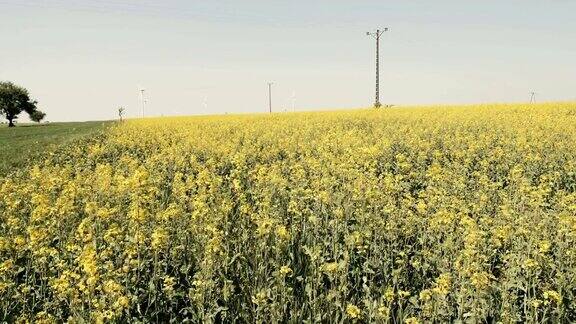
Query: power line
x: 376, y: 36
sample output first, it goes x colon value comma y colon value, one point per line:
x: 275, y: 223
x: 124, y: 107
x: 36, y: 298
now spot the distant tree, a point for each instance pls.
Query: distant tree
x: 37, y: 116
x: 120, y: 112
x: 13, y: 101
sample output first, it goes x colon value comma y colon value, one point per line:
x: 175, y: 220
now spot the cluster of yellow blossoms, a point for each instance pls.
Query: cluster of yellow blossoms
x: 408, y: 215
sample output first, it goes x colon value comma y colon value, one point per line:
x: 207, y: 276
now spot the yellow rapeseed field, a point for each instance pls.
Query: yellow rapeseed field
x: 403, y: 215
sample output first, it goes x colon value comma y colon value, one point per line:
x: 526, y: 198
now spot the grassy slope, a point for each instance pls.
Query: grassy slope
x: 23, y: 143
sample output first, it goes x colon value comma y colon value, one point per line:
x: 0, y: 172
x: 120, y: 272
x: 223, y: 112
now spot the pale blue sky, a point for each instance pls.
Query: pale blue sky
x: 82, y: 59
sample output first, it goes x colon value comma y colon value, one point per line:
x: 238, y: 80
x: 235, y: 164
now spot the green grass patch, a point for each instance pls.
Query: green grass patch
x: 25, y: 143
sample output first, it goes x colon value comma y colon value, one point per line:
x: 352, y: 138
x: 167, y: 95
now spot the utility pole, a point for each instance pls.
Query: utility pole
x: 377, y: 35
x: 532, y: 97
x: 143, y: 100
x: 270, y: 96
x: 293, y: 101
x: 120, y: 112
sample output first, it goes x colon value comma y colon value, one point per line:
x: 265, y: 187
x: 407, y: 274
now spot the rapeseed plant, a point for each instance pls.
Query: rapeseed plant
x: 404, y: 215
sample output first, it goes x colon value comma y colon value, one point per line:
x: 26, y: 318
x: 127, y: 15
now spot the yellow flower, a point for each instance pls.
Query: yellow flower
x: 443, y: 283
x: 111, y: 287
x: 44, y: 318
x: 389, y: 294
x: 530, y: 263
x: 330, y: 267
x: 168, y: 285
x: 6, y: 266
x: 353, y: 311
x: 282, y: 232
x: 264, y: 227
x: 383, y: 312
x: 19, y: 241
x: 4, y: 244
x: 411, y: 320
x: 552, y: 296
x: 62, y: 285
x: 123, y: 301
x: 159, y: 238
x: 425, y: 295
x: 480, y: 280
x: 285, y: 270
x: 88, y: 260
x: 544, y: 246
x: 260, y: 298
